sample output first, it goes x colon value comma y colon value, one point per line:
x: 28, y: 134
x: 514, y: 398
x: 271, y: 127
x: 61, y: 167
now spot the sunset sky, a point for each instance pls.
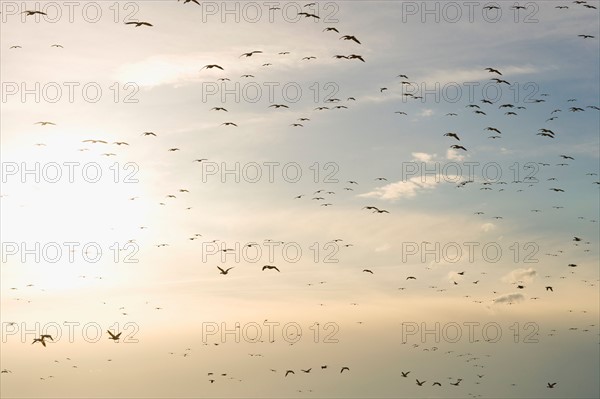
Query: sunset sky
x: 483, y: 229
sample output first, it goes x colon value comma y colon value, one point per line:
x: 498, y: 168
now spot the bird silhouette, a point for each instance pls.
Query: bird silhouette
x: 211, y: 66
x: 269, y: 267
x: 224, y: 271
x: 113, y: 336
x: 350, y: 37
x: 138, y: 24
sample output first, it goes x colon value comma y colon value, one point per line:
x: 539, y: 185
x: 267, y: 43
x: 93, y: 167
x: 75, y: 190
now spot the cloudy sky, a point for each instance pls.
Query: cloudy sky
x: 468, y: 259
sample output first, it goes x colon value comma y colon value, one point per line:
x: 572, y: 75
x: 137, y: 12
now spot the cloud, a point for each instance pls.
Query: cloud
x: 159, y: 70
x: 426, y: 112
x: 487, y: 227
x: 453, y: 155
x: 403, y: 189
x: 383, y: 248
x: 510, y: 298
x: 423, y: 156
x: 524, y: 275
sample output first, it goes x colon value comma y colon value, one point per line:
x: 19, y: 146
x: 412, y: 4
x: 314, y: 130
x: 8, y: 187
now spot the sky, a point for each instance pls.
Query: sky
x: 421, y: 221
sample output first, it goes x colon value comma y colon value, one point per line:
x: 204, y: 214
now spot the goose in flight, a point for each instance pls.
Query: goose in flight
x: 289, y: 372
x: 551, y: 384
x: 367, y: 271
x: 269, y: 267
x: 218, y: 109
x: 138, y: 24
x: 350, y: 37
x: 309, y: 58
x: 458, y: 147
x: 149, y: 134
x: 331, y: 30
x: 12, y: 47
x: 500, y: 81
x: 29, y: 13
x: 42, y: 339
x: 44, y: 123
x: 450, y: 134
x: 94, y: 141
x: 344, y: 368
x: 549, y: 288
x: 492, y: 70
x: 250, y: 54
x: 211, y: 66
x: 224, y: 271
x: 306, y: 15
x: 277, y: 106
x: 586, y: 36
x: 356, y: 57
x: 306, y: 371
x: 420, y: 383
x: 405, y: 374
x: 228, y: 124
x: 113, y: 336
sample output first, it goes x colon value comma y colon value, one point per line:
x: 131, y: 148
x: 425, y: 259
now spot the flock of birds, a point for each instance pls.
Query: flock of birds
x: 324, y: 197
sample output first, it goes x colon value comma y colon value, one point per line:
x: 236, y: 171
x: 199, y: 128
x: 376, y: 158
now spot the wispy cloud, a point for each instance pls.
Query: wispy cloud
x: 510, y: 298
x: 403, y: 189
x: 520, y: 275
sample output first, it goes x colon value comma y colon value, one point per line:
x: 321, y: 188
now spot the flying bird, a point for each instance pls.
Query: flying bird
x: 350, y: 37
x: 492, y: 70
x: 211, y: 66
x: 29, y: 13
x: 222, y: 271
x: 138, y: 24
x: 269, y: 267
x: 113, y: 336
x: 250, y: 54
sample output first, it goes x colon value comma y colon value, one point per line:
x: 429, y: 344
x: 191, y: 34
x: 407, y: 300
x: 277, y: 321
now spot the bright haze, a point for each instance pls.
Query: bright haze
x: 343, y: 199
